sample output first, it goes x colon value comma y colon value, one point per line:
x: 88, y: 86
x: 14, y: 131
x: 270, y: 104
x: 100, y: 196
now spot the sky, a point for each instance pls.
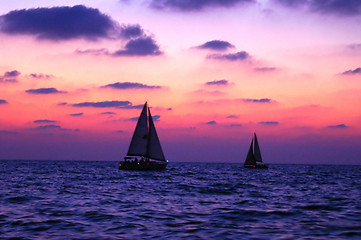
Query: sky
x: 74, y: 76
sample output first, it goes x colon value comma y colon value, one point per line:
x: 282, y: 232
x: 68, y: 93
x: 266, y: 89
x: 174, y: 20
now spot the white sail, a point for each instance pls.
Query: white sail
x: 257, y: 151
x: 138, y: 145
x: 250, y: 158
x: 154, y: 148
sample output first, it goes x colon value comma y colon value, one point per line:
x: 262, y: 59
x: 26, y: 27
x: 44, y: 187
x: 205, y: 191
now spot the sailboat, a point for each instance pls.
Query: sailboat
x: 254, y: 158
x: 145, y: 152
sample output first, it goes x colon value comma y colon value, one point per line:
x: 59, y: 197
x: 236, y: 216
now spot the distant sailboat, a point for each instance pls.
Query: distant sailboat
x: 145, y: 151
x: 254, y: 158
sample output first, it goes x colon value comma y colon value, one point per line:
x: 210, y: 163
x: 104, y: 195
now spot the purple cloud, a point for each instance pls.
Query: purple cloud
x: 239, y: 56
x: 195, y: 5
x: 269, y: 123
x: 216, y: 45
x: 62, y: 104
x: 59, y: 23
x: 144, y: 46
x: 337, y: 7
x: 119, y: 131
x: 40, y: 76
x: 76, y: 114
x: 44, y: 121
x: 265, y: 69
x: 108, y: 113
x: 52, y: 127
x: 2, y: 101
x: 6, y: 132
x: 10, y: 76
x: 108, y: 104
x: 261, y: 100
x: 339, y: 126
x: 232, y: 116
x: 131, y: 31
x: 129, y: 85
x: 211, y: 122
x: 236, y: 125
x: 352, y: 72
x: 222, y: 82
x: 44, y: 91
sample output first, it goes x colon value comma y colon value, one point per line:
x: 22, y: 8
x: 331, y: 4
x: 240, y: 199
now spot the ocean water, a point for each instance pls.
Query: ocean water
x: 94, y: 200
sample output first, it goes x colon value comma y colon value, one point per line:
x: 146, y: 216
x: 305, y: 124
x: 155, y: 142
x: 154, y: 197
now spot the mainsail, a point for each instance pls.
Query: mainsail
x: 145, y: 141
x: 250, y: 158
x: 138, y: 145
x: 257, y: 151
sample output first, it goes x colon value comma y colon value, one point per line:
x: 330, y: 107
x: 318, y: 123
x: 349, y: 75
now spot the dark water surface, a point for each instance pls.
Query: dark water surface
x: 94, y: 200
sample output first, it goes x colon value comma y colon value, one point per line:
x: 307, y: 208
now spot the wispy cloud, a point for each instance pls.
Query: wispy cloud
x: 195, y: 5
x: 350, y: 72
x: 44, y: 91
x: 108, y: 113
x: 265, y: 69
x: 10, y: 76
x: 335, y: 7
x: 76, y: 114
x: 130, y: 85
x: 338, y: 126
x: 238, y: 56
x: 108, y: 104
x: 40, y: 76
x: 232, y: 116
x: 222, y: 82
x: 270, y: 123
x: 216, y: 45
x: 254, y: 100
x: 44, y: 121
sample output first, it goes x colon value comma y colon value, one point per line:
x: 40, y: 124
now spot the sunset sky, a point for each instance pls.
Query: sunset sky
x: 74, y: 76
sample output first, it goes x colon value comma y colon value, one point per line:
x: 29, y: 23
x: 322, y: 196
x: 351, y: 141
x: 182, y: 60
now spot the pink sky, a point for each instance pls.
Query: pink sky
x: 213, y: 73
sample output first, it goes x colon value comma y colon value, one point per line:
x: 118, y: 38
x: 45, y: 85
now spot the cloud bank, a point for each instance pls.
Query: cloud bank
x: 195, y: 5
x: 59, y: 23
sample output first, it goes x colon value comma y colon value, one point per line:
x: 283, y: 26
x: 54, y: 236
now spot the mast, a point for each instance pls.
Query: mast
x: 257, y: 151
x: 154, y: 149
x: 250, y: 158
x: 139, y: 142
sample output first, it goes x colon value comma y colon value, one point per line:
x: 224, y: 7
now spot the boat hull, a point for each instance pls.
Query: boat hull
x: 257, y: 166
x: 142, y: 166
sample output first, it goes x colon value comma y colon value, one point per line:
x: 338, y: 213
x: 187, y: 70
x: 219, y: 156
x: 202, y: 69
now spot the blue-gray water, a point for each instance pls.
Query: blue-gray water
x: 94, y: 200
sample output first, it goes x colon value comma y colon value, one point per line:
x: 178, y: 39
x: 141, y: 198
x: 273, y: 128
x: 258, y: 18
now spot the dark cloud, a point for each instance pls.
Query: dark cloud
x: 269, y: 123
x: 232, y: 116
x: 156, y: 118
x: 120, y: 131
x: 133, y: 119
x: 337, y: 7
x: 10, y: 76
x: 44, y: 91
x: 352, y: 72
x: 52, y: 127
x: 2, y: 101
x: 261, y: 100
x: 40, y: 76
x: 144, y: 46
x: 211, y: 122
x: 129, y: 85
x: 62, y: 104
x: 195, y: 5
x: 216, y: 45
x: 108, y: 113
x: 109, y: 104
x: 222, y: 82
x: 239, y: 56
x: 236, y: 125
x: 59, y: 23
x: 131, y: 31
x: 339, y: 126
x: 265, y: 69
x: 6, y: 132
x: 44, y: 121
x: 76, y: 114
